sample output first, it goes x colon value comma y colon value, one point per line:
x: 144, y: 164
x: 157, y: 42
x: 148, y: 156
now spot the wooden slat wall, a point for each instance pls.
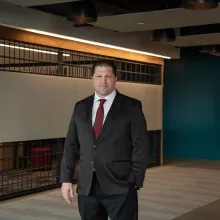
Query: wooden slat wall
x: 29, y: 37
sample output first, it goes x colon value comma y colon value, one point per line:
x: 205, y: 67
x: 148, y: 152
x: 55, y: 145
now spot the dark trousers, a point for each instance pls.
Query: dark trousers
x: 98, y: 206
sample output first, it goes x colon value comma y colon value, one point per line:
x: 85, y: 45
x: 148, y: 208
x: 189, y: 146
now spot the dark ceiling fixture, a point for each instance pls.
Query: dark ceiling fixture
x: 82, y: 12
x: 199, y: 4
x: 211, y: 49
x: 164, y: 35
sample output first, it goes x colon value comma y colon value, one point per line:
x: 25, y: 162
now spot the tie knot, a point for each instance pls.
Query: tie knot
x: 102, y: 101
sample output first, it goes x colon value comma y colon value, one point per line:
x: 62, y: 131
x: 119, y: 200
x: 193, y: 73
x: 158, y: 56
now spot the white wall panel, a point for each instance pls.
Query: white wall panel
x: 39, y: 107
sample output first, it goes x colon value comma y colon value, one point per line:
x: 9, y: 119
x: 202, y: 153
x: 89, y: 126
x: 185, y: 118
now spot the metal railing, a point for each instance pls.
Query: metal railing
x: 28, y: 167
x: 32, y: 58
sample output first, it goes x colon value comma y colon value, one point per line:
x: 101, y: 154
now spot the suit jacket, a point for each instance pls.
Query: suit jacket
x: 118, y: 155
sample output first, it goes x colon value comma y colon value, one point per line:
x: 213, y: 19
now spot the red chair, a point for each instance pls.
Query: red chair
x: 41, y: 158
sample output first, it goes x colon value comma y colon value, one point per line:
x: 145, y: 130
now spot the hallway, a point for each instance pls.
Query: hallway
x: 178, y: 191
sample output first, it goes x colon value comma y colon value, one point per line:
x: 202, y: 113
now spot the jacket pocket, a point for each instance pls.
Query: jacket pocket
x: 121, y: 169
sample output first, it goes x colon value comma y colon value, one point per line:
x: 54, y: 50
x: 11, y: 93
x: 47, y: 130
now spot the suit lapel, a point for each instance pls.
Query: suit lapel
x: 89, y: 106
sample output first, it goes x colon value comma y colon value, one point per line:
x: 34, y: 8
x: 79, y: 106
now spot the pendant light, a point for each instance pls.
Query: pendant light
x: 199, y: 4
x: 211, y: 49
x: 164, y: 35
x: 82, y: 12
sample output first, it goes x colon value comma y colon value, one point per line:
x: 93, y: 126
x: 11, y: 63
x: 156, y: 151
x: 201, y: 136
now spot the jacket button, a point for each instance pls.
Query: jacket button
x: 91, y: 162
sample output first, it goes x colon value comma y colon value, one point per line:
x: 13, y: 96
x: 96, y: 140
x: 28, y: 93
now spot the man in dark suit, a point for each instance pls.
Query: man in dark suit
x: 108, y: 137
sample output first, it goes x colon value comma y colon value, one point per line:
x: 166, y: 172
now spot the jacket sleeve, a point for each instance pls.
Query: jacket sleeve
x: 140, y: 143
x: 70, y: 153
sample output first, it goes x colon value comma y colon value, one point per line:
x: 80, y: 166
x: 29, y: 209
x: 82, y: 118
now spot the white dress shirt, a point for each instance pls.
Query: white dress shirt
x: 107, y: 105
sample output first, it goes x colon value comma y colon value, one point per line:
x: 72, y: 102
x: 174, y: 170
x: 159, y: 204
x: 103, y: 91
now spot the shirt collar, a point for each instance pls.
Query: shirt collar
x: 109, y: 97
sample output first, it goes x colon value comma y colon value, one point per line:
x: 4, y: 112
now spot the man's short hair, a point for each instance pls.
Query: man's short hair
x: 107, y: 63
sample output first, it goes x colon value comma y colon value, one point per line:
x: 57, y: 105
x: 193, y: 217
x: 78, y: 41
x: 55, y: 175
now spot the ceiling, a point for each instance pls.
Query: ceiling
x: 27, y: 3
x: 193, y: 28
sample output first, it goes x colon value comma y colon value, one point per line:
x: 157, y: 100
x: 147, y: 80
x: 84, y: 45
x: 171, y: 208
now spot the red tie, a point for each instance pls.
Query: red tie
x: 99, y: 119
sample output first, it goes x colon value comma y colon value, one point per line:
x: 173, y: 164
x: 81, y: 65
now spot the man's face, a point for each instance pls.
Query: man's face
x: 104, y: 80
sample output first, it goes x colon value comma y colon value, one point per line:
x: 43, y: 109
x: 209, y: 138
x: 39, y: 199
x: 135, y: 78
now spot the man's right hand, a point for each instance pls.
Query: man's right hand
x: 67, y: 192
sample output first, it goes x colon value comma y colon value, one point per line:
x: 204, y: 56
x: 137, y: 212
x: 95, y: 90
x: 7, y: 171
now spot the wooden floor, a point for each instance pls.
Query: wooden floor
x: 177, y: 191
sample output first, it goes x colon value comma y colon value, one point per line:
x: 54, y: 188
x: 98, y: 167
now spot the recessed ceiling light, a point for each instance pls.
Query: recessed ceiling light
x: 140, y: 22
